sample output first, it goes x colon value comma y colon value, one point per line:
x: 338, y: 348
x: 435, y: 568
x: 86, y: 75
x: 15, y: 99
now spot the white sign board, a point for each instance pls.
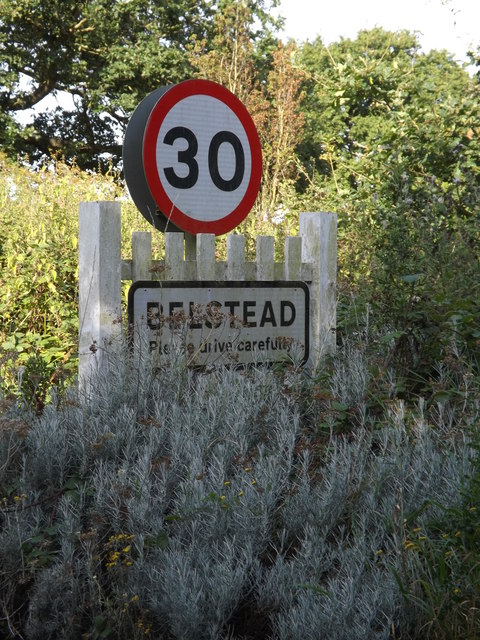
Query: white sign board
x: 223, y: 323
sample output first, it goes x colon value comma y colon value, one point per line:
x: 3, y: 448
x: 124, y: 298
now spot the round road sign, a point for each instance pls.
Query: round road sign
x: 133, y: 164
x: 202, y: 157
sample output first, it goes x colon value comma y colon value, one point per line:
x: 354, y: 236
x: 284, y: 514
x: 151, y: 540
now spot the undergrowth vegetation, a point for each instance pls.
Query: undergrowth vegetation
x: 247, y: 504
x: 39, y: 270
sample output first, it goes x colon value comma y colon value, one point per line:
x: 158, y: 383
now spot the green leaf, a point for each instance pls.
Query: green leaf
x: 160, y: 541
x: 391, y: 335
x: 410, y: 279
x: 317, y: 589
x: 102, y: 628
x: 173, y: 517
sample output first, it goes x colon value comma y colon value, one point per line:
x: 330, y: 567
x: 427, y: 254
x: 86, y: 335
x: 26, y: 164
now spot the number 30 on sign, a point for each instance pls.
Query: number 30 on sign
x: 201, y: 157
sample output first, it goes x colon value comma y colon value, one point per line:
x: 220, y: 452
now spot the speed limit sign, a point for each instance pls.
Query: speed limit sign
x: 201, y: 157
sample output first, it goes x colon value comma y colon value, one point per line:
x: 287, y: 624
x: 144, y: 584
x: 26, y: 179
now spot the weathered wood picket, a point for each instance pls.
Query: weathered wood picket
x: 310, y: 257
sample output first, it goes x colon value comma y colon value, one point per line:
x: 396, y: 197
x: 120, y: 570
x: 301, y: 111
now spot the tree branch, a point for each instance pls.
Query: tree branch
x: 26, y: 100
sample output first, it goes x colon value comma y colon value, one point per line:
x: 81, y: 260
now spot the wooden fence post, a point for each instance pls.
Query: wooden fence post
x: 235, y: 257
x: 205, y: 256
x: 99, y: 296
x: 319, y: 247
x: 174, y: 256
x: 141, y: 255
x: 292, y: 269
x: 265, y: 258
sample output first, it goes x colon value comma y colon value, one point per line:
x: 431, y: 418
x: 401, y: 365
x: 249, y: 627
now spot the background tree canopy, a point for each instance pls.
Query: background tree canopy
x: 106, y: 55
x: 391, y: 142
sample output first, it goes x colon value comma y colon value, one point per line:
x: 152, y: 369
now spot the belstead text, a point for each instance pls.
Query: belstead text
x: 247, y: 313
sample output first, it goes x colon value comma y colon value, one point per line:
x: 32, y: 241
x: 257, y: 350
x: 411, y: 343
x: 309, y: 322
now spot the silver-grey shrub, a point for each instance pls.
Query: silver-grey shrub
x: 199, y: 505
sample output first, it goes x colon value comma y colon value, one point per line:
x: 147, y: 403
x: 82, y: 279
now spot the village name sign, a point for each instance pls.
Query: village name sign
x: 224, y: 323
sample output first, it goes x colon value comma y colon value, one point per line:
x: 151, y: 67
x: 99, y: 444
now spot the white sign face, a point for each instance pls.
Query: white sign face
x: 202, y: 143
x: 216, y: 323
x: 202, y: 157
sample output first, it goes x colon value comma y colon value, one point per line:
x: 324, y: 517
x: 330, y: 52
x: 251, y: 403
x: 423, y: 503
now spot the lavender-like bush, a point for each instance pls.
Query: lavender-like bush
x: 169, y: 503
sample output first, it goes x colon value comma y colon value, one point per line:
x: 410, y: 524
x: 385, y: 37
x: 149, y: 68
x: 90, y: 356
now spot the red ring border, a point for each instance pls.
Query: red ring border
x: 167, y: 101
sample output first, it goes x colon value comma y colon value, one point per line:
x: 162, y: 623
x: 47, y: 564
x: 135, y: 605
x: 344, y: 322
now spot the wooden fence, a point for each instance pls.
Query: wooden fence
x: 310, y: 257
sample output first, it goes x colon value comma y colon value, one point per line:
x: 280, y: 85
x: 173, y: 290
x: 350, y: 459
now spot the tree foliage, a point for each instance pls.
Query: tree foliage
x: 106, y: 55
x: 262, y: 72
x: 377, y: 107
x: 392, y: 144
